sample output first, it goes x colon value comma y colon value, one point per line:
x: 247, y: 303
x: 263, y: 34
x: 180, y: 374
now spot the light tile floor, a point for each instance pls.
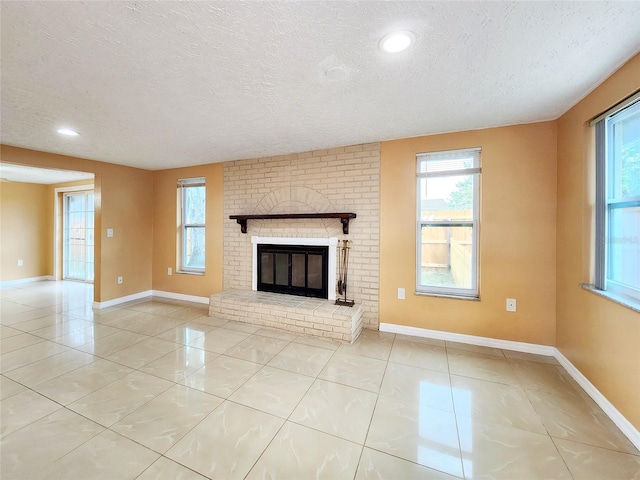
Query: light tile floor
x: 157, y: 389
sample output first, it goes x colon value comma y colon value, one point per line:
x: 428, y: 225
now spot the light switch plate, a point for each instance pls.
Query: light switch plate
x: 511, y: 304
x: 109, y: 232
x: 401, y: 294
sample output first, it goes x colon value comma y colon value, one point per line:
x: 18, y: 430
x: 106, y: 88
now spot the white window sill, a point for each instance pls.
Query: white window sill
x: 182, y: 272
x: 447, y: 295
x: 619, y: 299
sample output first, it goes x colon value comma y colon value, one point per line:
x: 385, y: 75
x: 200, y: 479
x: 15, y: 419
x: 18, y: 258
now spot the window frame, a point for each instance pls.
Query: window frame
x: 604, y: 205
x: 183, y: 185
x: 475, y: 172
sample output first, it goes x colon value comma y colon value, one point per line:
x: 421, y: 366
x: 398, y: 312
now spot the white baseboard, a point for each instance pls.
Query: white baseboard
x: 149, y: 294
x: 612, y: 412
x: 117, y: 301
x: 625, y: 426
x: 180, y: 296
x: 23, y: 281
x: 470, y: 339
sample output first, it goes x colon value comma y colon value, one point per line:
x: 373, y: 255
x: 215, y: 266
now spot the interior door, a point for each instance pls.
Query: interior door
x: 78, y: 246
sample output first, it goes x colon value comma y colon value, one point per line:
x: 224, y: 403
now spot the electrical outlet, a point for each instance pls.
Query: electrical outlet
x: 120, y: 280
x: 169, y: 271
x: 400, y: 293
x: 20, y: 263
x: 511, y: 304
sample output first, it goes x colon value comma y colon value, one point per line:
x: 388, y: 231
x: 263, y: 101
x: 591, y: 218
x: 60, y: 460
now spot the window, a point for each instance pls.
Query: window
x: 618, y: 200
x: 192, y: 196
x: 78, y: 235
x: 447, y: 232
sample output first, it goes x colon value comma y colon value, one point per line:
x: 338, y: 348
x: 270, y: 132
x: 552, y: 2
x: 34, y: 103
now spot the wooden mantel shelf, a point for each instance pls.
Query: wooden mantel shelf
x: 344, y: 218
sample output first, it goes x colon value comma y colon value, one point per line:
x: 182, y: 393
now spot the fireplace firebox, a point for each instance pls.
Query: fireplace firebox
x: 293, y: 269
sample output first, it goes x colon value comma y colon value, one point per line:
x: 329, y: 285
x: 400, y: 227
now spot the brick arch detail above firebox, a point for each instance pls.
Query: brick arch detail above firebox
x: 297, y: 199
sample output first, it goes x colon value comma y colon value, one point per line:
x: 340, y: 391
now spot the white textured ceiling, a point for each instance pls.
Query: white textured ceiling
x: 47, y: 176
x: 165, y: 84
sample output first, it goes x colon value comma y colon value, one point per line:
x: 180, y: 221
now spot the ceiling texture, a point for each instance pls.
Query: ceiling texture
x: 165, y: 84
x: 45, y: 176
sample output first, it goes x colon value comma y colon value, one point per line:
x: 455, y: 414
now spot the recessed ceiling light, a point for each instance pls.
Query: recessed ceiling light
x: 68, y: 131
x: 396, y: 42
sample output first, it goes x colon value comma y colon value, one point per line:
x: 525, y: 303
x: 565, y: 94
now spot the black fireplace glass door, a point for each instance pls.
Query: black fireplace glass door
x: 298, y: 269
x: 282, y: 269
x: 293, y: 269
x: 266, y: 274
x: 314, y: 271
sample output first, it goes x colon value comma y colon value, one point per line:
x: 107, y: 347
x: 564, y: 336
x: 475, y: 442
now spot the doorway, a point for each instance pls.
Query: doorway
x: 78, y: 236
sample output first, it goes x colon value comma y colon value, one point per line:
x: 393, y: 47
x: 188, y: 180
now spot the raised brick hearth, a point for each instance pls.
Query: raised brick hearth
x: 303, y: 315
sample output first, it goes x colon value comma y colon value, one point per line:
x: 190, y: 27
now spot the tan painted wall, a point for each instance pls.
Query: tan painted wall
x: 600, y: 337
x: 165, y: 232
x: 124, y: 202
x: 26, y: 211
x: 517, y: 235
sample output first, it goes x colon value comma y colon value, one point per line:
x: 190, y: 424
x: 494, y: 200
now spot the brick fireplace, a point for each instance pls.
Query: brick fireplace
x: 345, y: 179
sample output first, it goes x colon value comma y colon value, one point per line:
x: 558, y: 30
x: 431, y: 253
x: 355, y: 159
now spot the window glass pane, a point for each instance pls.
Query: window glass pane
x: 447, y: 198
x: 266, y: 271
x: 194, y: 247
x: 624, y: 155
x: 624, y: 246
x: 193, y: 196
x: 448, y: 184
x: 76, y: 269
x: 194, y: 205
x: 446, y: 256
x: 282, y: 269
x: 447, y: 161
x: 75, y: 203
x: 78, y: 235
x: 297, y: 270
x: 314, y: 275
x: 77, y: 220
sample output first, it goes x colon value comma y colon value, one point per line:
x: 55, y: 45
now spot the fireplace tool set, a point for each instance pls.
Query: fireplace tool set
x: 343, y: 265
